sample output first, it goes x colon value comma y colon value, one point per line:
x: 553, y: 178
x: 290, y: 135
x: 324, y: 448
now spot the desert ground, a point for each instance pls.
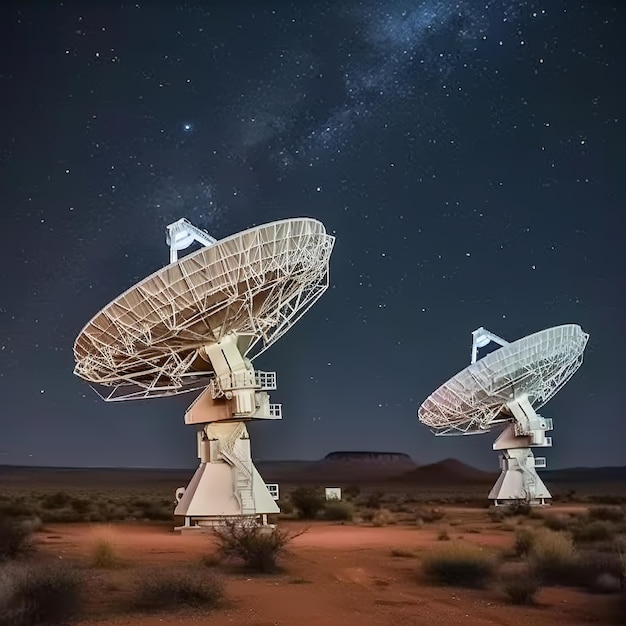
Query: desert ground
x: 362, y: 561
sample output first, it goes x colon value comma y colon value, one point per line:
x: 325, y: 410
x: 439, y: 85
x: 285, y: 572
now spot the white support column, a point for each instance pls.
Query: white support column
x: 518, y: 479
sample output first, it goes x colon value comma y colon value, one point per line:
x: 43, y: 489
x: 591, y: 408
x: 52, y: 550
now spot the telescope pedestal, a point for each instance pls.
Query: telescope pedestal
x: 226, y: 486
x: 519, y: 480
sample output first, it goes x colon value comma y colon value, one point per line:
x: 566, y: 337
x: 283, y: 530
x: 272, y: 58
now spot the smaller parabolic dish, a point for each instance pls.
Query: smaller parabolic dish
x: 476, y: 398
x: 150, y: 341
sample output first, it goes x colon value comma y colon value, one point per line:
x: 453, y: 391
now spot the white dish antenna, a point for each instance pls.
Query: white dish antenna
x: 197, y: 324
x: 507, y: 386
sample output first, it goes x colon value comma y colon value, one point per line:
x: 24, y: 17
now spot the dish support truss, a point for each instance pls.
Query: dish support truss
x: 227, y: 485
x: 145, y: 343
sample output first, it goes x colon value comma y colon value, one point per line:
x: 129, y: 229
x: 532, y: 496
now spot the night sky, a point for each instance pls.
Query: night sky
x: 469, y: 157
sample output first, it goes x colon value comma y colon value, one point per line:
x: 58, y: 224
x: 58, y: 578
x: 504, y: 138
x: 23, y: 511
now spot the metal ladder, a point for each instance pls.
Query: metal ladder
x: 243, y: 471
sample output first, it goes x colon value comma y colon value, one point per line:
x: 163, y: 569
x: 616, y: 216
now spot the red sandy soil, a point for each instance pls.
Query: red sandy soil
x: 334, y: 575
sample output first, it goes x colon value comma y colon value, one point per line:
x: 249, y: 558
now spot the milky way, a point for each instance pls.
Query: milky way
x: 468, y: 157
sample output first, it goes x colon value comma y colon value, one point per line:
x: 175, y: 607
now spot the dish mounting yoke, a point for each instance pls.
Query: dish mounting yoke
x: 518, y: 480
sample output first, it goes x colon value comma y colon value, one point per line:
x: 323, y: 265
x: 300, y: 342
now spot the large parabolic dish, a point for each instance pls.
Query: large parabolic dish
x: 508, y: 386
x: 197, y: 324
x: 150, y: 341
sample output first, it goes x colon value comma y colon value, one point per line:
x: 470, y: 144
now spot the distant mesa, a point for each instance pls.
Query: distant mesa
x: 376, y: 457
x: 344, y: 467
x: 448, y: 471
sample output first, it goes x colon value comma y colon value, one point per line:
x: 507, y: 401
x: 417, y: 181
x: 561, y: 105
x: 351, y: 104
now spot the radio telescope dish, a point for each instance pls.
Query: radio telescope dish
x: 507, y: 387
x: 197, y: 324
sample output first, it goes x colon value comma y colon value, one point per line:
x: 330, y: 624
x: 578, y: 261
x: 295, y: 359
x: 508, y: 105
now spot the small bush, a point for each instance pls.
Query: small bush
x: 57, y: 500
x: 593, y: 531
x: 374, y: 500
x: 404, y: 554
x: 596, y: 569
x: 39, y: 595
x: 520, y: 584
x: 351, y: 491
x: 285, y: 506
x: 496, y: 515
x: 557, y: 522
x: 339, y: 511
x: 259, y: 547
x: 443, y: 535
x: 430, y: 515
x: 606, y: 513
x: 524, y: 541
x: 518, y: 507
x: 308, y: 501
x: 461, y: 564
x: 554, y: 557
x: 103, y: 555
x: 169, y: 589
x: 382, y: 517
x: 15, y: 538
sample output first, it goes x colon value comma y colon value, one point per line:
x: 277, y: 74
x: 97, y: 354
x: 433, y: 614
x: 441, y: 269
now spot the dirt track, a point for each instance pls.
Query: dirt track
x: 334, y: 575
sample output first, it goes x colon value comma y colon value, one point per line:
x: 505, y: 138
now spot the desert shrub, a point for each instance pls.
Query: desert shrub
x: 285, y: 506
x: 606, y: 513
x: 57, y: 500
x: 557, y: 522
x: 259, y: 547
x: 308, y: 501
x: 593, y: 531
x: 430, y: 515
x: 338, y: 511
x: 147, y: 510
x: 374, y: 500
x: 496, y: 515
x: 176, y: 589
x: 595, y: 570
x: 524, y: 541
x: 39, y: 595
x: 520, y: 583
x: 351, y: 491
x: 15, y: 538
x: 81, y: 505
x: 554, y: 557
x: 443, y: 535
x: 382, y: 517
x: 461, y: 564
x: 404, y: 554
x: 103, y: 555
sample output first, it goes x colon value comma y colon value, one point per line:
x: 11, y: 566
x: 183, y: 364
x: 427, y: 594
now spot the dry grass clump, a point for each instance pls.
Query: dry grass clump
x: 520, y: 583
x: 443, y: 535
x: 337, y: 511
x: 382, y: 517
x: 259, y: 547
x: 15, y: 538
x: 557, y: 522
x: 606, y: 513
x: 103, y: 553
x: 429, y: 515
x: 38, y: 595
x: 524, y: 541
x: 403, y: 554
x: 460, y: 564
x: 553, y: 556
x: 177, y: 589
x: 593, y: 531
